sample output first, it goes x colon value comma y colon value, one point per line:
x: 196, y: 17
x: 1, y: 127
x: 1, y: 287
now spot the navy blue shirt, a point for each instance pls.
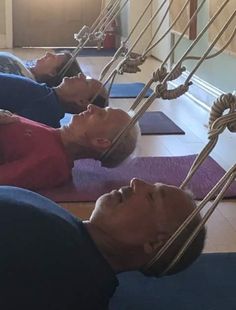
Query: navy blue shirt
x: 30, y: 99
x: 47, y: 258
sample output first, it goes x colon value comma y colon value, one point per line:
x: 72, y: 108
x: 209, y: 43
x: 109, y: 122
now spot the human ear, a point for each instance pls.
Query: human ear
x: 53, y: 73
x: 101, y: 143
x: 83, y: 102
x: 152, y: 246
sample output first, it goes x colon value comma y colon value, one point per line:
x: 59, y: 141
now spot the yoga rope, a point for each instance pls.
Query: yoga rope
x: 84, y: 41
x: 217, y: 122
x: 99, y: 22
x: 123, y: 48
x: 200, y: 35
x: 211, y: 46
x: 118, y: 68
x: 161, y: 90
x: 132, y: 61
x: 218, y: 52
x: 99, y: 29
x: 149, y: 48
x: 222, y: 185
x: 159, y: 27
x: 177, y: 69
x: 107, y: 19
x: 217, y: 126
x: 131, y: 64
x: 171, y: 94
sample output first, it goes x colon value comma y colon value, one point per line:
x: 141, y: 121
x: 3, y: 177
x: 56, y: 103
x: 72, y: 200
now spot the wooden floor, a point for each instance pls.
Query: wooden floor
x: 193, y: 119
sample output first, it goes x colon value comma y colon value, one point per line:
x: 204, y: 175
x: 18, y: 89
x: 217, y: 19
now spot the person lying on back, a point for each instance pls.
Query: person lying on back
x: 52, y: 260
x: 48, y: 105
x: 35, y: 156
x: 43, y: 70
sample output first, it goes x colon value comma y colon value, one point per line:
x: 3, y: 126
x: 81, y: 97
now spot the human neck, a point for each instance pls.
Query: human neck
x: 35, y: 73
x: 76, y: 150
x: 121, y: 258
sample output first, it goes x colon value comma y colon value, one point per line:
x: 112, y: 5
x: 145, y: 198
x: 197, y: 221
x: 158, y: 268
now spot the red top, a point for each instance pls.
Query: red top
x: 32, y: 156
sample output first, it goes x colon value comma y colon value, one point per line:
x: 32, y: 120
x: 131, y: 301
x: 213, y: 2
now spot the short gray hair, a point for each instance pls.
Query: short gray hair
x: 124, y: 149
x: 191, y: 253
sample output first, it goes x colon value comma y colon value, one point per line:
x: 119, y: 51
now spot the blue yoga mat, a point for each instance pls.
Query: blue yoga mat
x: 209, y: 284
x: 127, y: 90
x: 90, y: 51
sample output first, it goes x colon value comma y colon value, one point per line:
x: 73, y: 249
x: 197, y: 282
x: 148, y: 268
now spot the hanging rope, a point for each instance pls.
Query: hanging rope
x: 171, y: 27
x: 85, y: 31
x: 211, y: 46
x: 222, y: 185
x: 218, y: 52
x: 198, y: 37
x: 123, y: 48
x: 219, y: 124
x: 114, y: 12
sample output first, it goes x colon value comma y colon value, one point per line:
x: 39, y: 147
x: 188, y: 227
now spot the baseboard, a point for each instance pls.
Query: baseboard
x: 200, y: 91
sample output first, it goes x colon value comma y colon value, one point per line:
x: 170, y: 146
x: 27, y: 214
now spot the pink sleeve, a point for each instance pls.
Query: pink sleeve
x: 35, y: 174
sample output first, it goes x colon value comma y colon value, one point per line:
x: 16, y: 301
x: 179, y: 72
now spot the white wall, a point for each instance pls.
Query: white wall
x: 2, y: 18
x: 136, y: 8
x: 132, y: 12
x: 5, y: 23
x: 162, y: 49
x: 219, y: 71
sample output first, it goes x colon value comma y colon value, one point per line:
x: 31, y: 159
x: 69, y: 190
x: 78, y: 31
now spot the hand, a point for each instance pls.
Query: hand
x: 6, y: 117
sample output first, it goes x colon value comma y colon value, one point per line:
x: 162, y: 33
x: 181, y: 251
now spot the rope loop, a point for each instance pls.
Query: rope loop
x: 159, y: 74
x: 224, y: 102
x: 84, y: 32
x: 176, y: 72
x: 160, y: 89
x: 170, y: 94
x: 130, y: 68
x: 99, y: 35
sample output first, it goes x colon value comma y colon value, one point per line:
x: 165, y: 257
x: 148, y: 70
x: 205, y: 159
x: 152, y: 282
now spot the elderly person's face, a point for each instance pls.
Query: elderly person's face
x: 80, y: 89
x: 97, y: 125
x: 140, y: 215
x: 49, y: 64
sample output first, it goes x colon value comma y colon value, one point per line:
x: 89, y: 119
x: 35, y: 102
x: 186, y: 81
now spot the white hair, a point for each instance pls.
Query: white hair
x: 126, y: 148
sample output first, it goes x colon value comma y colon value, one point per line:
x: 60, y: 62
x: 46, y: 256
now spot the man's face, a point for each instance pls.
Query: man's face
x: 98, y: 122
x: 136, y: 214
x: 49, y: 63
x: 80, y: 88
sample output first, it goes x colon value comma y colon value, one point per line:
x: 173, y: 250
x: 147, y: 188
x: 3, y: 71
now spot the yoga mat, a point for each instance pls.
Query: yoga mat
x: 128, y: 90
x: 209, y: 284
x: 90, y: 180
x: 157, y: 123
x: 90, y: 51
x: 151, y: 123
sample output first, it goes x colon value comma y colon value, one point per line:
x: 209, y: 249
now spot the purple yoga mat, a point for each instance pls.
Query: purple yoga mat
x: 90, y: 180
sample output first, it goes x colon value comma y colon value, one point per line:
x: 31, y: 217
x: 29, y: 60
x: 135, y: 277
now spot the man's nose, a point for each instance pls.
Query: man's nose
x: 137, y: 183
x: 81, y: 75
x: 93, y: 108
